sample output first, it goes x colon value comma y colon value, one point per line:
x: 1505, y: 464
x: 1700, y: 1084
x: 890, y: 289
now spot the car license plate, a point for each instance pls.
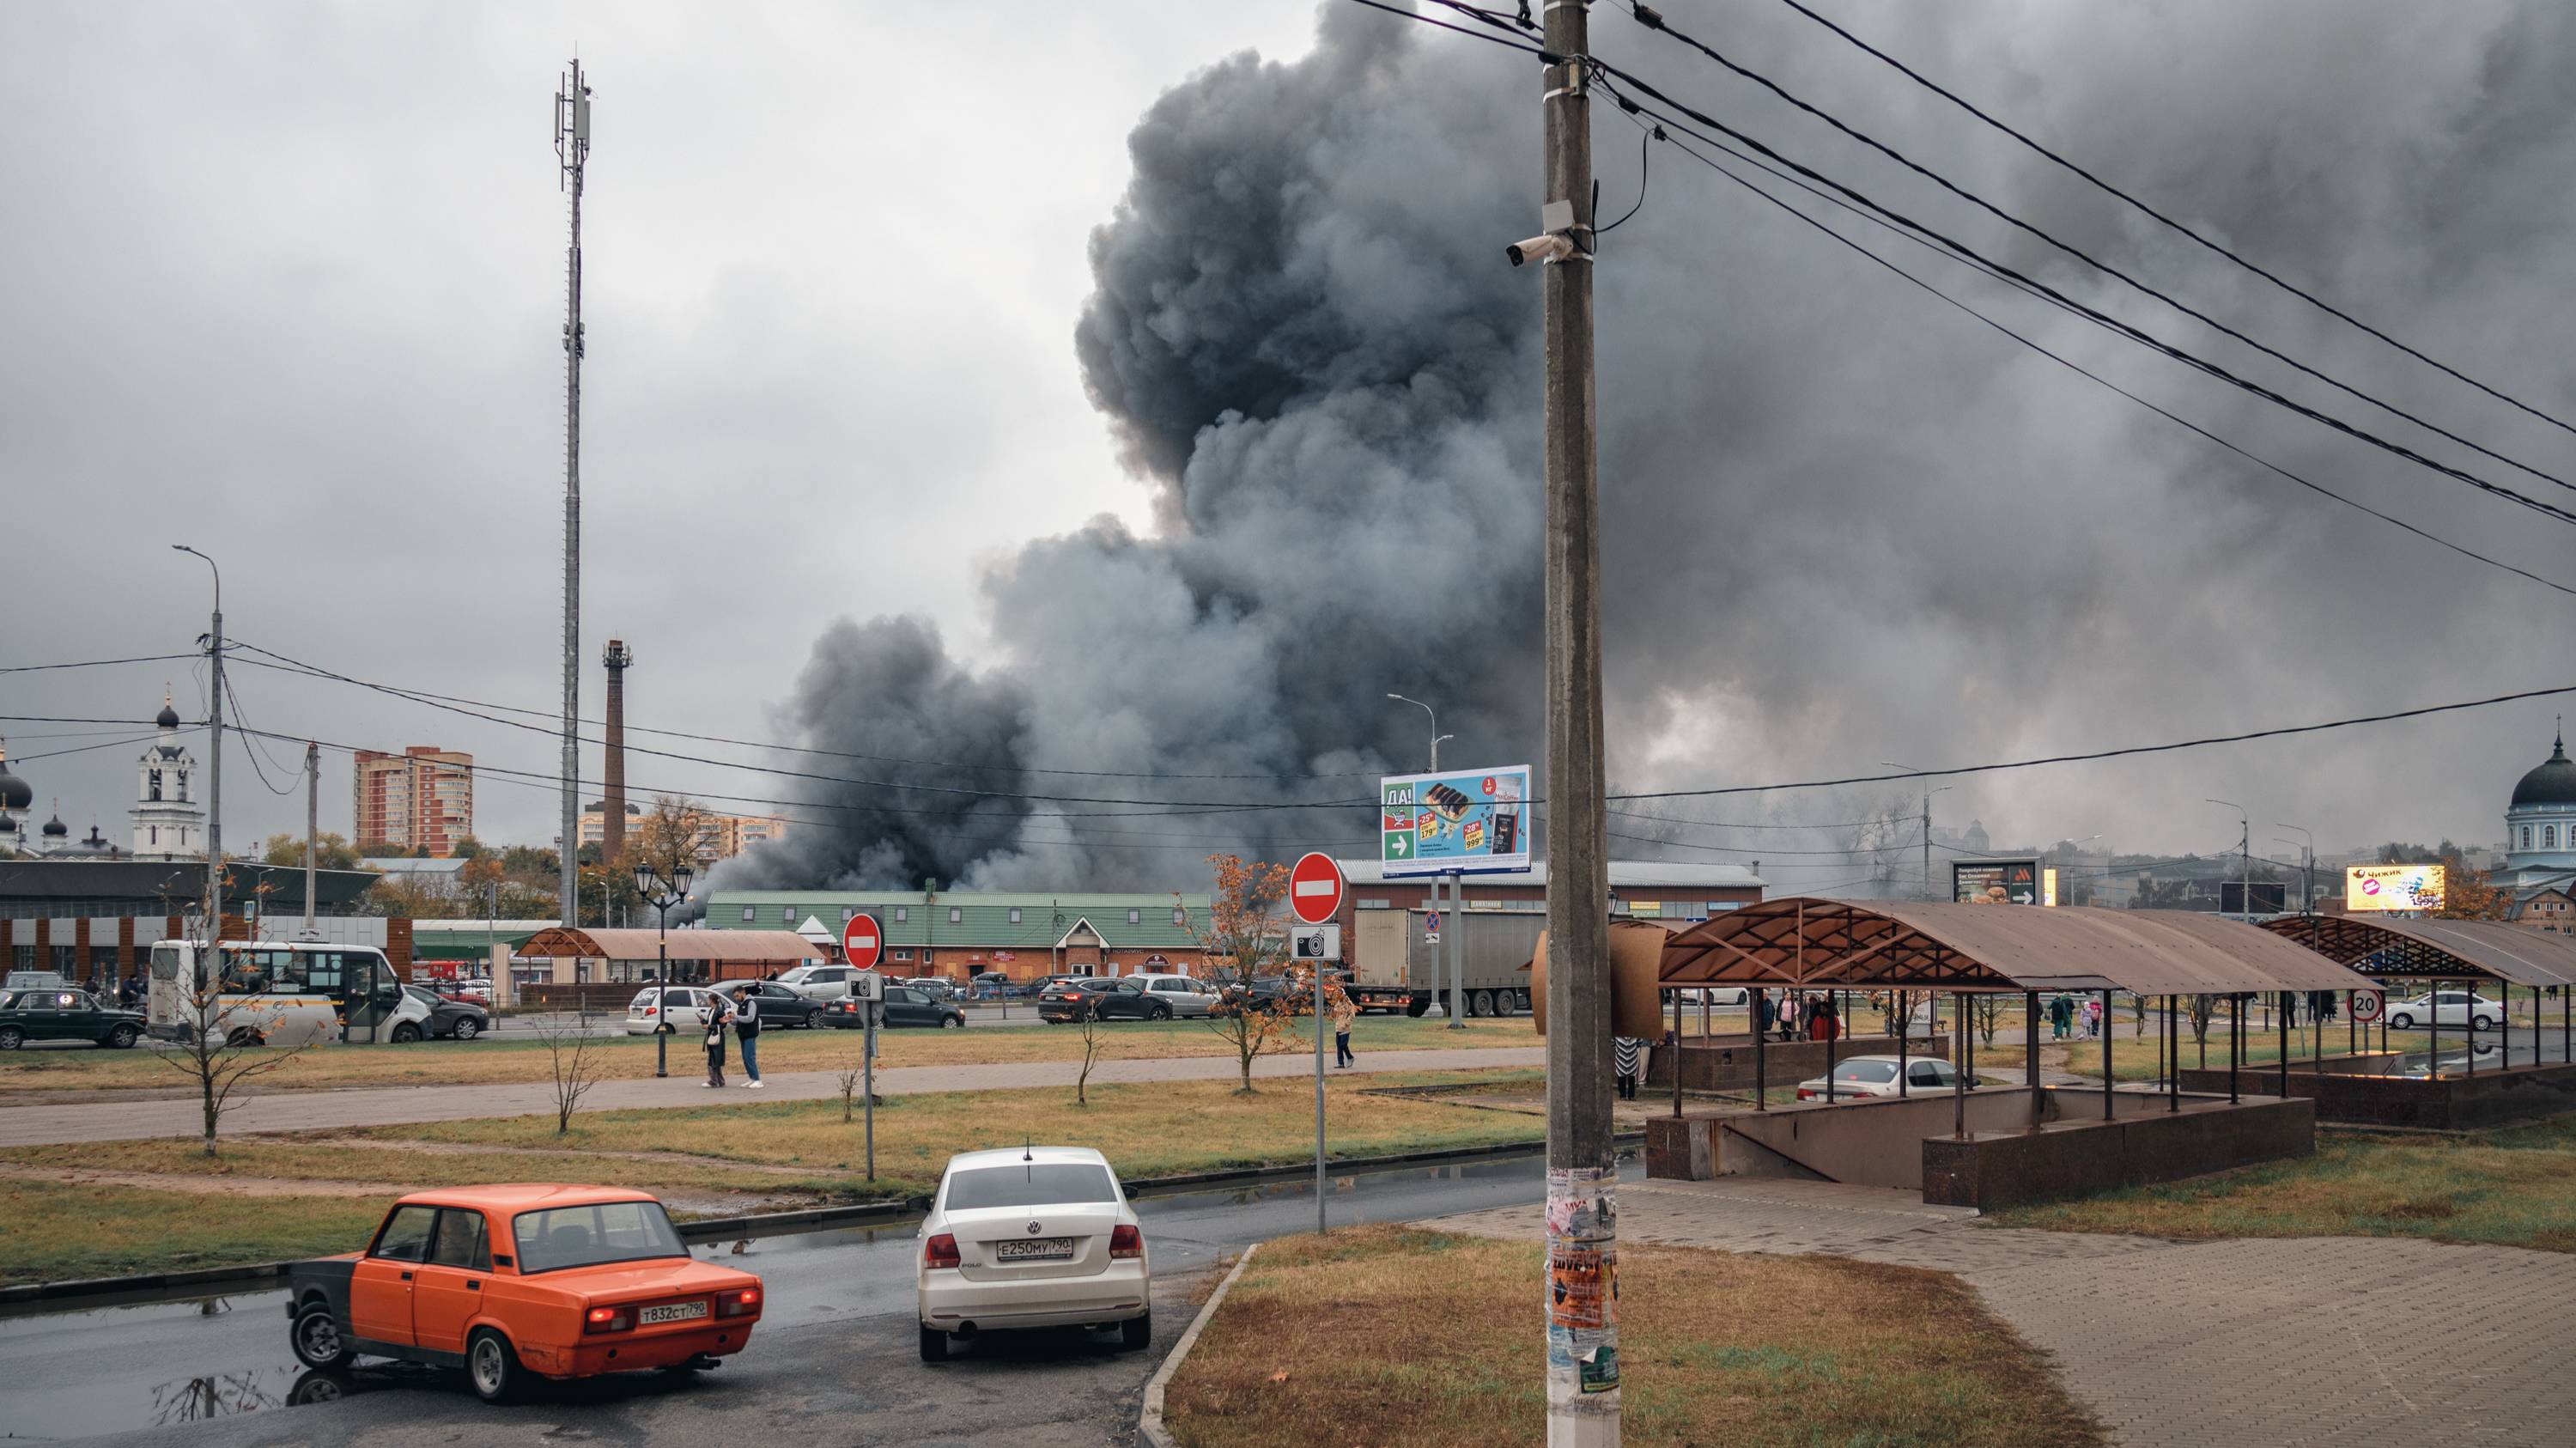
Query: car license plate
x: 672, y: 1312
x: 1033, y: 1249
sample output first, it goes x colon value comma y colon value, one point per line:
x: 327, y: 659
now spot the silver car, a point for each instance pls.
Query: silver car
x: 1186, y: 997
x: 820, y: 982
x: 1031, y: 1236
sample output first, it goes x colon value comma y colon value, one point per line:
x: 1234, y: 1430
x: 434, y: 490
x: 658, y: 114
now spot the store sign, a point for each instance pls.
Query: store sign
x: 1995, y: 882
x: 2393, y: 887
x: 1467, y: 822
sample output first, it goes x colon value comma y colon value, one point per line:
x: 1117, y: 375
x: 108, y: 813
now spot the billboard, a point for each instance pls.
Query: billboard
x: 1995, y: 882
x: 2392, y: 887
x: 1468, y: 822
x: 2271, y: 897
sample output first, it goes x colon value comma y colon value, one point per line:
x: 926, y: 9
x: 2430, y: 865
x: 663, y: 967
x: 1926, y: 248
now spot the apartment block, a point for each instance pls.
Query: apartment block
x: 422, y: 798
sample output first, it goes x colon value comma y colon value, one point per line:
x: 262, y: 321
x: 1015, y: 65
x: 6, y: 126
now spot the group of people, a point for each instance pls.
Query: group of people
x: 1792, y: 1015
x: 744, y: 1016
x: 2067, y: 1015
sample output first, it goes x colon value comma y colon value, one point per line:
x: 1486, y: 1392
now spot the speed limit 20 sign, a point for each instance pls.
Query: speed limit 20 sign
x: 2367, y: 1004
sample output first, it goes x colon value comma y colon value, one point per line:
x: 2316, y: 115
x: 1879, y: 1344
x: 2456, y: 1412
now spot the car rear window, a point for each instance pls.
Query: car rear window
x: 1030, y: 1184
x: 560, y: 1237
x: 1872, y: 1071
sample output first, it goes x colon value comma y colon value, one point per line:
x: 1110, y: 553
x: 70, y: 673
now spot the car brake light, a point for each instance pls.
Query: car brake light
x: 941, y: 1251
x: 608, y: 1319
x: 1125, y: 1241
x: 649, y: 1010
x: 742, y: 1302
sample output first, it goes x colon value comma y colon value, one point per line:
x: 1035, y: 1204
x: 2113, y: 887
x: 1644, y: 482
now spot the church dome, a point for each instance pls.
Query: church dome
x: 168, y: 718
x: 14, y: 792
x: 55, y: 829
x: 2552, y: 782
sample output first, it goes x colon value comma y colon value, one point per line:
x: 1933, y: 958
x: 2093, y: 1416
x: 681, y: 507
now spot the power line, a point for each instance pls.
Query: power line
x: 1648, y: 17
x: 2292, y: 288
x: 2100, y: 318
x: 97, y: 663
x: 85, y: 748
x: 2078, y: 368
x: 284, y: 664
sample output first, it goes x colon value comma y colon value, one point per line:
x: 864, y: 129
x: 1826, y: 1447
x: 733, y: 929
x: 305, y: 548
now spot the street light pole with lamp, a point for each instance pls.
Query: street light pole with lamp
x: 1456, y: 964
x: 662, y: 893
x: 2307, y: 867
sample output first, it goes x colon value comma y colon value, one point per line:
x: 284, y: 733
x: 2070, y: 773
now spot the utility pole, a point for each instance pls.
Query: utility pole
x: 312, y: 827
x: 612, y: 805
x: 1582, y: 1172
x: 214, y: 778
x: 2244, y: 857
x: 572, y: 155
x: 1928, y: 792
x: 2307, y: 869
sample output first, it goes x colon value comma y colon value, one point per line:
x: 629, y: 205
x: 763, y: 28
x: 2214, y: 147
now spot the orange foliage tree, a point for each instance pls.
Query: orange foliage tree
x: 1247, y: 937
x: 2467, y: 895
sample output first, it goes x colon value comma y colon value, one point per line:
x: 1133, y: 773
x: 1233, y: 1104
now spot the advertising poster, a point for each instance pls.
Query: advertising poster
x: 1467, y: 822
x: 2392, y: 887
x: 1995, y: 882
x: 1582, y: 1282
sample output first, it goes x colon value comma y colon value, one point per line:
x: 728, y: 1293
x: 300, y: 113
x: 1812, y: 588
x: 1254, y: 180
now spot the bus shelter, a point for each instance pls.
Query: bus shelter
x: 1809, y: 944
x: 592, y: 955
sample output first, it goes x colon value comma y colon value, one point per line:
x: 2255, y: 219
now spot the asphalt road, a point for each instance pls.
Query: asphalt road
x: 834, y: 1360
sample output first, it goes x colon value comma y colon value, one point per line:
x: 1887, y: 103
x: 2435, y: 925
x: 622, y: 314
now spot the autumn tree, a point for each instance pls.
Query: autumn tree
x: 1246, y: 937
x: 2468, y: 893
x: 330, y: 851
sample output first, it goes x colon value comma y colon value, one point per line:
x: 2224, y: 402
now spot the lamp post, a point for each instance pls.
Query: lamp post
x: 1456, y: 962
x: 2307, y: 868
x: 662, y: 893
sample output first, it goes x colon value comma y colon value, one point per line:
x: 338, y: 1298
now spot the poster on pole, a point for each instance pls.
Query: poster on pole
x: 1464, y: 821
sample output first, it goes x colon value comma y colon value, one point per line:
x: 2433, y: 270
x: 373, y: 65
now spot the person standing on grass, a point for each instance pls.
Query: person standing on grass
x: 746, y: 1029
x: 1343, y: 1014
x: 1628, y: 1059
x: 717, y: 1015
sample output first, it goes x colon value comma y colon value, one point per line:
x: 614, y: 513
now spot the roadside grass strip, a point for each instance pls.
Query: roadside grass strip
x: 2514, y: 1187
x: 509, y: 1057
x: 1401, y: 1338
x: 243, y: 1206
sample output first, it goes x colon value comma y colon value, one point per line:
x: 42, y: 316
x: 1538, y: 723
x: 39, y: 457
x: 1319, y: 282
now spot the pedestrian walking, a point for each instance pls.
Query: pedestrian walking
x: 1792, y: 1009
x: 2061, y: 1015
x: 1824, y: 1021
x: 2092, y: 1020
x: 1766, y: 1015
x: 1343, y: 1014
x: 746, y: 1029
x: 717, y: 1015
x: 1628, y: 1058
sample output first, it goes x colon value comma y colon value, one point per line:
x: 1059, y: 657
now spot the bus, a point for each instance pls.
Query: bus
x: 282, y: 993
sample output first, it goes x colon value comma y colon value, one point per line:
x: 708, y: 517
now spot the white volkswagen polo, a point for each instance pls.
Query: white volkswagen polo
x: 1031, y: 1237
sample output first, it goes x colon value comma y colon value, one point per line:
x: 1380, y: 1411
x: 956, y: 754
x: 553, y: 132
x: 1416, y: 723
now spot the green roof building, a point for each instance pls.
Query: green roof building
x: 959, y: 933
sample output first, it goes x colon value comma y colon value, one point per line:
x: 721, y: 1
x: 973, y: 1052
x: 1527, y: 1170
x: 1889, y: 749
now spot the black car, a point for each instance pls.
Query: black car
x: 1102, y: 998
x: 779, y: 1006
x: 64, y: 1015
x: 449, y: 1017
x: 905, y: 1005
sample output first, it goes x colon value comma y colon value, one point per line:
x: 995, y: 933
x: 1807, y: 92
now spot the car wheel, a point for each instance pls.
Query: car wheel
x: 468, y: 1028
x: 11, y: 1038
x: 123, y: 1037
x: 934, y: 1344
x: 1483, y: 1004
x: 317, y: 1340
x: 950, y: 1023
x: 242, y: 1036
x: 1137, y: 1332
x: 1160, y: 1012
x: 316, y: 1388
x: 2481, y: 1023
x: 406, y: 1033
x: 2401, y: 1022
x: 492, y: 1367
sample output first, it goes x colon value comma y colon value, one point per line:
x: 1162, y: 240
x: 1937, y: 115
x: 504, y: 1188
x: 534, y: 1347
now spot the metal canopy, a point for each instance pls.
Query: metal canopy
x: 1810, y: 943
x: 762, y: 946
x: 2440, y: 948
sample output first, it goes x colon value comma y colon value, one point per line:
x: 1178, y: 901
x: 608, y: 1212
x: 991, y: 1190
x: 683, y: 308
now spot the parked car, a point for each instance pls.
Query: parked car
x: 1261, y: 993
x: 904, y: 1006
x: 937, y: 987
x: 1877, y: 1076
x: 1105, y: 998
x: 478, y: 991
x: 65, y: 1015
x: 458, y: 1019
x: 1188, y: 997
x: 2458, y: 1007
x: 1031, y: 1237
x: 994, y: 985
x: 820, y: 982
x: 780, y: 1007
x: 515, y: 1282
x: 688, y: 1009
x: 1725, y: 997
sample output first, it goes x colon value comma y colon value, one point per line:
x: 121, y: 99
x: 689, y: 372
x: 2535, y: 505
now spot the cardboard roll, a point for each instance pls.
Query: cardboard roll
x: 1636, y: 958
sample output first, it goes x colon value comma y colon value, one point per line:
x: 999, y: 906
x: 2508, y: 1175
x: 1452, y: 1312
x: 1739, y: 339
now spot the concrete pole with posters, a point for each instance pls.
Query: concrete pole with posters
x: 312, y: 827
x: 1582, y: 1171
x: 214, y: 776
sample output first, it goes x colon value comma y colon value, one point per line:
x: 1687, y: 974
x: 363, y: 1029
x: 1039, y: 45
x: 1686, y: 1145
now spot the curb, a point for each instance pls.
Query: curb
x: 1149, y: 1418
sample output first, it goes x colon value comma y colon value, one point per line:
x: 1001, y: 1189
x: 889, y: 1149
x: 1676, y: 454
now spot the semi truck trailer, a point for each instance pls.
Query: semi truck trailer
x: 1396, y: 966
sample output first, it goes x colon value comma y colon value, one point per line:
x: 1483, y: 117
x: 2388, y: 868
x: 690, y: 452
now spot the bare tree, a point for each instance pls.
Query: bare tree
x: 850, y: 1079
x: 223, y: 1041
x: 573, y: 1061
x: 2202, y: 1009
x: 1094, y: 1040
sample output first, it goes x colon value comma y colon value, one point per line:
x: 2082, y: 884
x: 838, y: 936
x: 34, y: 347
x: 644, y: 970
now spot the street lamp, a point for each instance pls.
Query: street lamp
x: 662, y: 893
x: 1436, y: 735
x: 1457, y: 895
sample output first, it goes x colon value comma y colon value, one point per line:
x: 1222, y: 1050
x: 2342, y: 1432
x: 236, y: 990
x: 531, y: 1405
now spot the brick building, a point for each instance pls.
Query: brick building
x: 959, y: 933
x: 96, y: 920
x: 422, y: 798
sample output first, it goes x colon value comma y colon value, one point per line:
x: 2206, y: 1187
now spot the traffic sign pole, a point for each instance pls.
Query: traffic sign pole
x: 1315, y: 890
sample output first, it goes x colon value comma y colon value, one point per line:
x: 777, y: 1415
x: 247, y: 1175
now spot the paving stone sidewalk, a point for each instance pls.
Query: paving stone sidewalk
x: 2354, y: 1342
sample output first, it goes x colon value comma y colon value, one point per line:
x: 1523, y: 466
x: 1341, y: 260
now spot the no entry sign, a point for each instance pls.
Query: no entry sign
x: 862, y: 942
x: 2367, y: 1004
x: 1315, y: 888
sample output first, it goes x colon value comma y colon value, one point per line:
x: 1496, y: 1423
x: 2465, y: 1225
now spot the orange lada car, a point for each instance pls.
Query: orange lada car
x: 510, y: 1282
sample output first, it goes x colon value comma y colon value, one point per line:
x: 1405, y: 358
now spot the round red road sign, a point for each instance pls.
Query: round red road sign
x: 862, y: 941
x: 2367, y: 1004
x: 1315, y: 888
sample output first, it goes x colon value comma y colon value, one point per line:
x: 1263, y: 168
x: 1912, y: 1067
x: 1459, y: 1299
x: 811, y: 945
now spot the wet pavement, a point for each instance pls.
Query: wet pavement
x: 830, y: 1362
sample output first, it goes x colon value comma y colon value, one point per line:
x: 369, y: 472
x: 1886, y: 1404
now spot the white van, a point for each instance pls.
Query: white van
x: 281, y: 993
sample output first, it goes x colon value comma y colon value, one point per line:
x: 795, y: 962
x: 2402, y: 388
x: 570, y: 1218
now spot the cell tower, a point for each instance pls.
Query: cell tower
x: 572, y: 156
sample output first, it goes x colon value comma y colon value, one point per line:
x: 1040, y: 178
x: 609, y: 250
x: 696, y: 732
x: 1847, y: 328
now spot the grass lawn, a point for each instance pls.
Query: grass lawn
x: 2515, y: 1186
x: 510, y: 1055
x: 250, y: 1210
x: 1399, y: 1338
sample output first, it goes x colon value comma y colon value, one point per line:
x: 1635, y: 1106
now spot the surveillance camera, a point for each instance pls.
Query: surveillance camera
x: 1540, y: 248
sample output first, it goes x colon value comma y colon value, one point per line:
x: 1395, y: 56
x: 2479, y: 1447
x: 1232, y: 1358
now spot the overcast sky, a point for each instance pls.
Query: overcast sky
x: 285, y: 282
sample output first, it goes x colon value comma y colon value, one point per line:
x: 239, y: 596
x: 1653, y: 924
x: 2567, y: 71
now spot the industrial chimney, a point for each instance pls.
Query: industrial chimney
x: 612, y: 808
